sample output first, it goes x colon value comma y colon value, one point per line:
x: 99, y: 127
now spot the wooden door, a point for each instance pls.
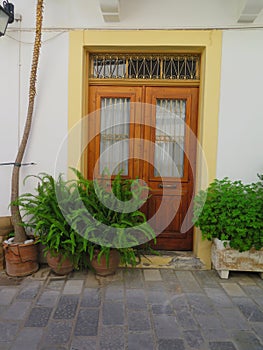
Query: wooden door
x: 157, y: 126
x: 171, y: 125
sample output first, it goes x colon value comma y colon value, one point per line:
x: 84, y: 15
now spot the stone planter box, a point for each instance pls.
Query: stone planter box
x: 225, y: 259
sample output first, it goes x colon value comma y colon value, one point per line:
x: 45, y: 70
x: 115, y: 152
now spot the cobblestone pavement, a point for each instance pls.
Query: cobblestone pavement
x: 134, y: 309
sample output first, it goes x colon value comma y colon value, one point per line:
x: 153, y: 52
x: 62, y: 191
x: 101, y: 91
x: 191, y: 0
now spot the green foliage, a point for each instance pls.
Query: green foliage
x: 231, y: 210
x: 112, y: 219
x: 42, y: 213
x: 76, y: 217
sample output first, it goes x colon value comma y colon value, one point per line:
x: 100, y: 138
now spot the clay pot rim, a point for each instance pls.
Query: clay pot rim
x: 98, y: 250
x: 20, y: 244
x: 6, y: 217
x: 57, y: 255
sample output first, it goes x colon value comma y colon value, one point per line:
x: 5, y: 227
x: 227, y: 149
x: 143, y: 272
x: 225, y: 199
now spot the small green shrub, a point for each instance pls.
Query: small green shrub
x: 42, y: 214
x: 112, y: 219
x: 231, y: 210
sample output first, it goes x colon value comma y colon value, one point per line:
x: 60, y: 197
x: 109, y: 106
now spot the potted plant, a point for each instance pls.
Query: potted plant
x: 21, y: 253
x: 43, y: 215
x: 230, y: 214
x: 6, y: 228
x: 111, y: 221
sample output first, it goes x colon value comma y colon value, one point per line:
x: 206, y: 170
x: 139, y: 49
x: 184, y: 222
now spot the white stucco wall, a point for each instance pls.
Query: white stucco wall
x: 240, y: 122
x: 50, y: 117
x: 240, y: 142
x: 9, y: 90
x: 136, y: 13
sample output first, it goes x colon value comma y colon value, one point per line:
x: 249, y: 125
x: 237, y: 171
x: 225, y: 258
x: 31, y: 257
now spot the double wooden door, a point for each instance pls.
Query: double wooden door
x: 150, y: 133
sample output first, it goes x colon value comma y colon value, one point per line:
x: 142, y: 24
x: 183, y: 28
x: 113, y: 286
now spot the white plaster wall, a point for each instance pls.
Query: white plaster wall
x: 135, y: 13
x: 240, y: 124
x: 9, y: 89
x: 49, y: 126
x: 240, y: 141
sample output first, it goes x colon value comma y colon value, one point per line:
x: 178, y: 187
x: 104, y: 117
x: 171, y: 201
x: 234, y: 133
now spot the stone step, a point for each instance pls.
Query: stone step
x: 177, y: 260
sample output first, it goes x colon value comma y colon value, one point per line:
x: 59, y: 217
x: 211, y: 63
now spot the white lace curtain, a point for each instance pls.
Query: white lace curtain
x: 169, y: 136
x: 114, y: 140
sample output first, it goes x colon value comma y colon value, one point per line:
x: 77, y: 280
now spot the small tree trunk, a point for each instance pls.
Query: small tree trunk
x: 20, y: 234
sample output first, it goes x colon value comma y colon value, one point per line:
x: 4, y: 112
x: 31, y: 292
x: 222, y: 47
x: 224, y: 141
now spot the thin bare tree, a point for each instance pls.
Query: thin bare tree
x: 20, y: 234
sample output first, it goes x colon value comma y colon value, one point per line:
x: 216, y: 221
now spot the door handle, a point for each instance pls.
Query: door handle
x: 167, y: 186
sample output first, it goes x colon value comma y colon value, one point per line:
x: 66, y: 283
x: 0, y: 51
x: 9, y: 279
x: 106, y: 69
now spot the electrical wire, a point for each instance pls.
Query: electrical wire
x: 17, y: 164
x: 31, y: 43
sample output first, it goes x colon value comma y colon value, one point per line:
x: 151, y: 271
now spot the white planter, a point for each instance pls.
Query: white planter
x: 225, y: 259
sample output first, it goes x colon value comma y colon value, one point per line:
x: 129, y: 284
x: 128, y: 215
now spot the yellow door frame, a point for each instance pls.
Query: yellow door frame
x: 207, y: 42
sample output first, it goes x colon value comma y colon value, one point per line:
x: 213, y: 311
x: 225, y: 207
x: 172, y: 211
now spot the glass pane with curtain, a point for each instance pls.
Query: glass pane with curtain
x: 114, y: 135
x: 169, y: 138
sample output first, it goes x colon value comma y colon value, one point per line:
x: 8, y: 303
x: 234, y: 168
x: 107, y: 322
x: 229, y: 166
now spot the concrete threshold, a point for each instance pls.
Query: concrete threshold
x: 176, y: 260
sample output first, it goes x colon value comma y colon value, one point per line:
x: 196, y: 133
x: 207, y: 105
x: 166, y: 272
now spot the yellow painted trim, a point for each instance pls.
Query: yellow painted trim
x: 208, y: 127
x: 208, y: 42
x: 75, y: 98
x: 148, y: 82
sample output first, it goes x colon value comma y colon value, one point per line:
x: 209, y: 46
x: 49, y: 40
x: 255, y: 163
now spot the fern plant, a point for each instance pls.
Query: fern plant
x: 231, y: 210
x: 77, y: 217
x: 110, y: 219
x: 42, y: 213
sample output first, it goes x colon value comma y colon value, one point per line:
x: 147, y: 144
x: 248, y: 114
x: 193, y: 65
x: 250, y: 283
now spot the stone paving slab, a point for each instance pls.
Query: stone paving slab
x: 162, y: 309
x: 152, y: 275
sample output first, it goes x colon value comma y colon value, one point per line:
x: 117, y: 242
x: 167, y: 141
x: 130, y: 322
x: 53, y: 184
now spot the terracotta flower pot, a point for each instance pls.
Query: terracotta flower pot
x: 21, y: 259
x: 5, y: 225
x: 60, y: 265
x: 5, y: 228
x: 101, y: 268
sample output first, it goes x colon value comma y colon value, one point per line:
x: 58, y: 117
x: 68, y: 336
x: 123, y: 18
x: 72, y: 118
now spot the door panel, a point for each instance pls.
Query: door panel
x: 171, y: 204
x: 111, y: 125
x: 171, y: 120
x: 165, y: 158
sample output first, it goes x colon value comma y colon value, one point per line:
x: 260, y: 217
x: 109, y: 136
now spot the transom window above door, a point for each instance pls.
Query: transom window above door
x: 145, y: 66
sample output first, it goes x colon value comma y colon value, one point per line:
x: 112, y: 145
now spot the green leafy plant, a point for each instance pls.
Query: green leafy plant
x: 42, y: 213
x: 231, y: 210
x: 110, y: 219
x: 78, y: 217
